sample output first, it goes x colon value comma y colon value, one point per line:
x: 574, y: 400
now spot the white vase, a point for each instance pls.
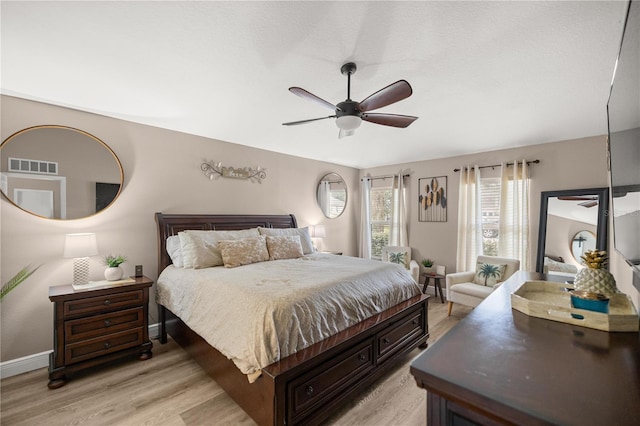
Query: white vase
x: 113, y: 273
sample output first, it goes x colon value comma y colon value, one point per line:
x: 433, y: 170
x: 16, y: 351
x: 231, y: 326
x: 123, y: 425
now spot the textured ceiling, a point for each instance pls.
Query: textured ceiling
x: 485, y: 75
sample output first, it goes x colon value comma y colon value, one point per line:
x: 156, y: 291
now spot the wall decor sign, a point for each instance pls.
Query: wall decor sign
x: 214, y: 170
x: 432, y: 199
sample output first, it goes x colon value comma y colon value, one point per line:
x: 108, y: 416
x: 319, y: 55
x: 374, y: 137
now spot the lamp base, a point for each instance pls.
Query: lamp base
x: 80, y: 270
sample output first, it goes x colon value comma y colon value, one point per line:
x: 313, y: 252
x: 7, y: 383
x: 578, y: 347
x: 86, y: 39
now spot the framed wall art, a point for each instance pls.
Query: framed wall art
x: 432, y: 199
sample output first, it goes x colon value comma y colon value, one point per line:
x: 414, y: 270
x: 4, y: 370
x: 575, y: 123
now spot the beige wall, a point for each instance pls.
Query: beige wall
x: 162, y: 174
x: 560, y: 233
x: 573, y: 164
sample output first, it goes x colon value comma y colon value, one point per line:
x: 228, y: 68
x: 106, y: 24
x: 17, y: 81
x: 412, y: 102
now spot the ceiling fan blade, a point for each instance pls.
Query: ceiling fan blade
x: 310, y: 96
x: 295, y: 123
x: 393, y: 120
x: 588, y: 204
x: 393, y: 93
x: 577, y: 198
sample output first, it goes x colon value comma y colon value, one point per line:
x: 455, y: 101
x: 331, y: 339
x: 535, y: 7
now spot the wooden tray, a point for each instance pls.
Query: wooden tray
x: 550, y: 300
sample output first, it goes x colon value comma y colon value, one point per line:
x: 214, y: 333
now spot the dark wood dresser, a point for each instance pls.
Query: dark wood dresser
x: 500, y: 366
x: 92, y: 327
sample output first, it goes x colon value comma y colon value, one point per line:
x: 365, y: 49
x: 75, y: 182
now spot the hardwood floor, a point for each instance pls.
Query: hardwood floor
x: 171, y: 389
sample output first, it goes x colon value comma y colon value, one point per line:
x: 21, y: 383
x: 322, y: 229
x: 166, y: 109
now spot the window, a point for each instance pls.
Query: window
x: 490, y: 206
x: 381, y: 199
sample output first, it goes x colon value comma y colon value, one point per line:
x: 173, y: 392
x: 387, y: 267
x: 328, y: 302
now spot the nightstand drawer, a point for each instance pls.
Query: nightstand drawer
x: 107, y: 303
x: 99, y: 325
x: 85, y: 349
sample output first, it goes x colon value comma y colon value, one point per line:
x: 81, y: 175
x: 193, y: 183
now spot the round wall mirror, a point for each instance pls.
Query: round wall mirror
x: 59, y: 172
x: 583, y: 241
x: 331, y: 195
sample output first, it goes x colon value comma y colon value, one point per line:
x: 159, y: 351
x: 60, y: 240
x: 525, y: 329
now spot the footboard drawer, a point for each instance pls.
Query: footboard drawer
x: 393, y: 338
x: 309, y: 391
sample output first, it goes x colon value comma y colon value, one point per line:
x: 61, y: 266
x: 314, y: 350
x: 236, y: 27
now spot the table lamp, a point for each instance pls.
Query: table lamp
x: 79, y: 247
x: 317, y: 233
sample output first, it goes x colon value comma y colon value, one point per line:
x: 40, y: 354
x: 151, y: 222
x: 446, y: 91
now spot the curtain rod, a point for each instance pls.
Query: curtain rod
x: 385, y: 177
x: 499, y: 165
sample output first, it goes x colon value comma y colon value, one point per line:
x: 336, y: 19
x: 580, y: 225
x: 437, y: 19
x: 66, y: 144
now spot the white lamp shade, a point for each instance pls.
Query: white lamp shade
x: 80, y: 245
x: 318, y: 231
x: 348, y: 122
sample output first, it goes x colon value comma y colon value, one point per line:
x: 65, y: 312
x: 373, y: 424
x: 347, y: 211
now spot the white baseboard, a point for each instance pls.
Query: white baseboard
x: 32, y: 362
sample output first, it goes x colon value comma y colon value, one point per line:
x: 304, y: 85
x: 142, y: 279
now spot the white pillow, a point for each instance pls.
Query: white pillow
x: 243, y: 251
x: 489, y: 274
x: 174, y: 249
x: 402, y: 257
x: 303, y: 233
x: 200, y: 248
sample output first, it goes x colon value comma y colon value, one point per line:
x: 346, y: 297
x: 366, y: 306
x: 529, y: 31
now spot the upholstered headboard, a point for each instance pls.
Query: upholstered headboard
x: 171, y: 224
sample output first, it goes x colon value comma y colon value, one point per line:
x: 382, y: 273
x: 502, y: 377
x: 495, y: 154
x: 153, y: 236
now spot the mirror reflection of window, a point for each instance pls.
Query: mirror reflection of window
x: 582, y: 242
x: 331, y: 195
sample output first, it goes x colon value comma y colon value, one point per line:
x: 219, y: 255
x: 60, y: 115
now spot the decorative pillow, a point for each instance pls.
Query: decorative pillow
x: 489, y: 274
x: 303, y: 233
x: 200, y: 248
x: 244, y: 251
x: 174, y: 249
x: 400, y: 257
x: 284, y: 247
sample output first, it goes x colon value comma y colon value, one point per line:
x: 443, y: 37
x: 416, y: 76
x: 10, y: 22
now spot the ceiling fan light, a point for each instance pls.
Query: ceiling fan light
x: 348, y: 122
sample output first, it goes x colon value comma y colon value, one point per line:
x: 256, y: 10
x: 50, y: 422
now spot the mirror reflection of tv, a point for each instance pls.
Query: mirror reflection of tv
x: 623, y: 113
x: 105, y: 194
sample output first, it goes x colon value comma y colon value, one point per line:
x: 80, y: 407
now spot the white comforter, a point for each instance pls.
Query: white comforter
x: 257, y: 314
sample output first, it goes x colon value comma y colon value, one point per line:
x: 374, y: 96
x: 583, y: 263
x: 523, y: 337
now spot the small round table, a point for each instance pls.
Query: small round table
x: 436, y: 283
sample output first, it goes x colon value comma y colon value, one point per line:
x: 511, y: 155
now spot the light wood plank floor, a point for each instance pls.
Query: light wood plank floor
x: 171, y: 389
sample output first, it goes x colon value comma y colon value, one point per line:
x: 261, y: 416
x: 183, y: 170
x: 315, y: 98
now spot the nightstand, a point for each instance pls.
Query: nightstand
x: 99, y: 325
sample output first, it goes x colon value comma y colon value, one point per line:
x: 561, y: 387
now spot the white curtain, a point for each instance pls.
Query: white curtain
x: 324, y: 197
x: 469, y: 219
x: 513, y: 236
x: 398, y: 231
x: 364, y: 249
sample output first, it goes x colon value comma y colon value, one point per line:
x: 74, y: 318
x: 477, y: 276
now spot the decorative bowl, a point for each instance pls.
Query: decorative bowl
x: 590, y: 301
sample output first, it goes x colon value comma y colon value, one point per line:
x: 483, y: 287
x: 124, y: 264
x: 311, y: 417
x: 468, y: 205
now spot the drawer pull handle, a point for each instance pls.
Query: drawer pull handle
x: 362, y: 357
x: 107, y: 323
x: 107, y: 345
x: 386, y: 341
x: 415, y: 322
x: 107, y: 302
x: 310, y: 390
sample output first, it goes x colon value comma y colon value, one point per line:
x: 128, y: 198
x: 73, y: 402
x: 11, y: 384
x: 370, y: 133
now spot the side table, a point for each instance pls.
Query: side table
x: 436, y: 283
x: 95, y: 326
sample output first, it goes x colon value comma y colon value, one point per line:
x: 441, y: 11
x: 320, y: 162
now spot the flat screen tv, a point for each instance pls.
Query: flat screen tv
x: 623, y: 113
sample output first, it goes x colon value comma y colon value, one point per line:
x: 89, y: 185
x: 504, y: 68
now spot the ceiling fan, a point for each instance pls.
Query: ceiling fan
x: 349, y: 114
x: 588, y: 201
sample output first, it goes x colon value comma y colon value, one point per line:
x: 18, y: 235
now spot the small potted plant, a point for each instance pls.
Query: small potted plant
x: 114, y: 271
x: 428, y: 265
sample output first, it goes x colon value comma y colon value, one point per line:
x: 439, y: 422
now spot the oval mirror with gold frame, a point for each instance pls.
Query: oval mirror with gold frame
x: 59, y: 172
x: 331, y: 195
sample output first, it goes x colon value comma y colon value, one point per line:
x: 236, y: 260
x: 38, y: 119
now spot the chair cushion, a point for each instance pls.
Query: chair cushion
x: 471, y: 289
x: 489, y: 274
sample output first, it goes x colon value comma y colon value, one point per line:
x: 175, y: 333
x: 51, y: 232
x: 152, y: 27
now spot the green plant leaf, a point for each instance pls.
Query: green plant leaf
x: 18, y: 278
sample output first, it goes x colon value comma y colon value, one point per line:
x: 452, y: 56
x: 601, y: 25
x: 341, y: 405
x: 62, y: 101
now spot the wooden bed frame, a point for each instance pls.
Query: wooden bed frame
x: 308, y: 386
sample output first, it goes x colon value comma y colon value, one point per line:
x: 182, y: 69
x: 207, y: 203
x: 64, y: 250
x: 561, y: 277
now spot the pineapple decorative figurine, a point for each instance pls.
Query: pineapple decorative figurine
x: 594, y: 278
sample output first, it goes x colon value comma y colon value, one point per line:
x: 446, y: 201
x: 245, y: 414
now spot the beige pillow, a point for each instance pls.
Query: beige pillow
x: 284, y: 247
x: 489, y: 274
x: 303, y: 233
x: 200, y: 248
x: 244, y: 251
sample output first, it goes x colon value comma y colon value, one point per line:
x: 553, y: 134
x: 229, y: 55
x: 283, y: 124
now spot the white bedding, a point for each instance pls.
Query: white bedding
x: 259, y: 313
